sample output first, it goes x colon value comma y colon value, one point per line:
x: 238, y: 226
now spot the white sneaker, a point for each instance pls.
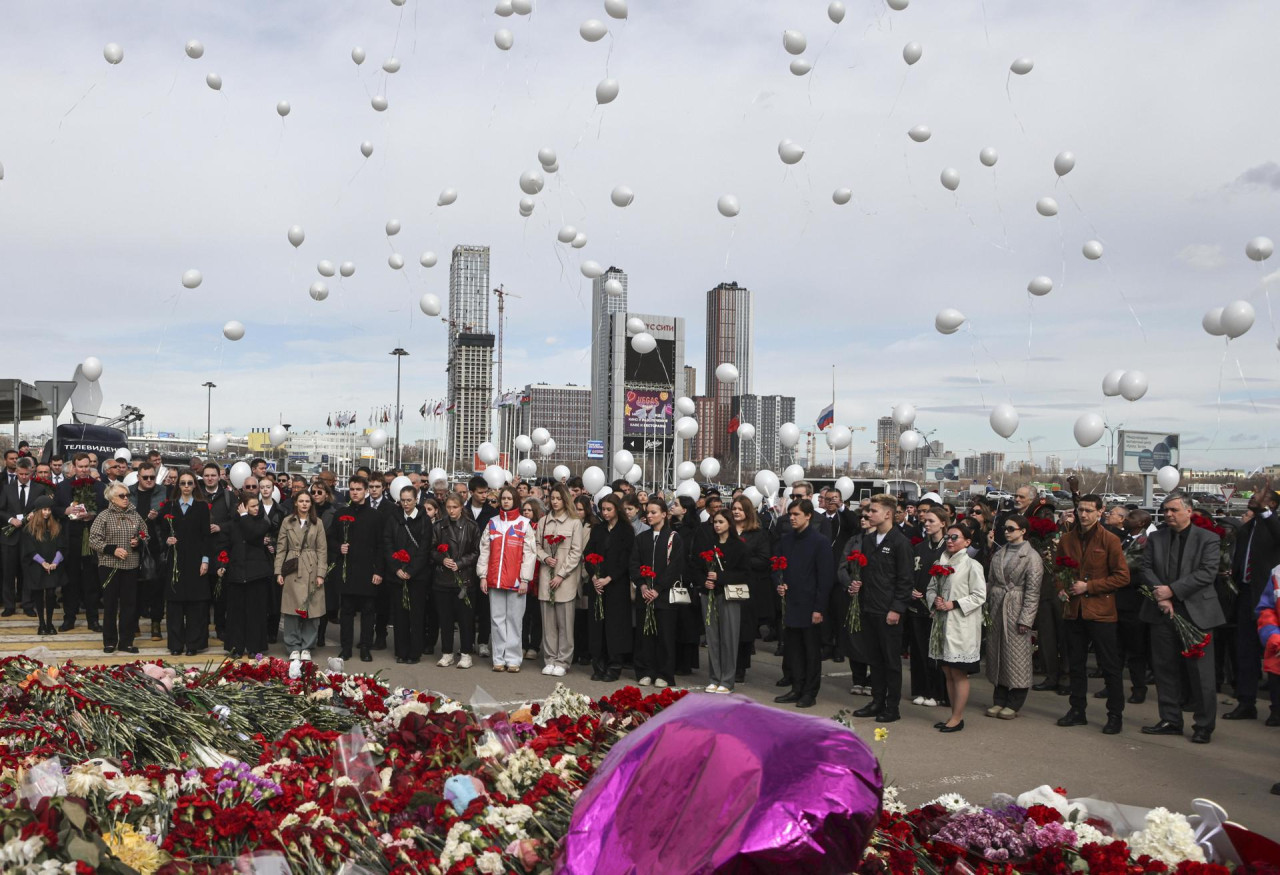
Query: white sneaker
x: 293, y: 656
x: 484, y: 650
x: 549, y: 669
x: 660, y: 683
x: 724, y: 691
x: 465, y: 661
x: 711, y: 688
x: 445, y: 661
x: 306, y: 656
x: 645, y: 682
x: 930, y: 703
x: 558, y: 671
x: 918, y: 700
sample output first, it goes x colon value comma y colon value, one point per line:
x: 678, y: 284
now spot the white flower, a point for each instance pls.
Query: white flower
x: 562, y: 702
x: 1167, y: 837
x: 399, y: 712
x: 491, y: 749
x: 448, y: 706
x: 170, y: 787
x: 321, y: 695
x: 1087, y: 834
x: 896, y: 808
x: 953, y: 802
x: 130, y: 785
x: 490, y: 863
x: 343, y: 781
x: 385, y: 777
x: 84, y: 779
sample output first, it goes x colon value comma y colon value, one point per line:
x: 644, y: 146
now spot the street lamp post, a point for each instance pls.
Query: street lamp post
x: 208, y: 423
x: 398, y: 353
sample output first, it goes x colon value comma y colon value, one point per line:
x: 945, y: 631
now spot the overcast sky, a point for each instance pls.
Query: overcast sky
x: 108, y: 196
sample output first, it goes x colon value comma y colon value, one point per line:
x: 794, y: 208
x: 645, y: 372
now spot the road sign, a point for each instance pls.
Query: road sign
x: 55, y: 394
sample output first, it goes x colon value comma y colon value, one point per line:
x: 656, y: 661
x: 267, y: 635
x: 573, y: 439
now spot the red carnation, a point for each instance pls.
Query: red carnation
x: 223, y: 557
x: 402, y: 556
x: 858, y: 557
x: 593, y: 559
x: 779, y: 563
x: 346, y: 518
x: 708, y: 556
x: 442, y: 548
x: 169, y: 517
x: 647, y: 572
x: 941, y: 570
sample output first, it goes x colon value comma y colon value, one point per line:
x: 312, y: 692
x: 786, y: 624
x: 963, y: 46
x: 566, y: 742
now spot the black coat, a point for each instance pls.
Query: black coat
x: 77, y: 530
x: 364, y: 557
x: 194, y: 544
x: 890, y: 572
x: 732, y: 566
x: 223, y: 509
x: 250, y: 559
x: 926, y: 556
x: 463, y: 540
x: 809, y: 575
x: 1264, y: 554
x: 651, y: 549
x: 33, y: 574
x: 764, y: 595
x: 11, y: 506
x: 616, y: 546
x: 840, y: 528
x: 417, y: 538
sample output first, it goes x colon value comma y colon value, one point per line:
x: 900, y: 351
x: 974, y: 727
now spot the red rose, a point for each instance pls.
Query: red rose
x: 1066, y: 562
x: 1041, y: 527
x: 941, y: 570
x: 223, y: 557
x: 442, y: 548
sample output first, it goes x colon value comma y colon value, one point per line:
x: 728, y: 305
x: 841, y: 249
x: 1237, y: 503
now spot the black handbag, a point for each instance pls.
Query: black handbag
x: 289, y: 566
x: 148, y: 568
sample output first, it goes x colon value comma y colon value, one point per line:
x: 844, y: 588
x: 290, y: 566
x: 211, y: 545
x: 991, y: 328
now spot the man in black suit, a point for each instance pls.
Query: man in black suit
x: 16, y: 500
x: 82, y: 589
x: 842, y: 525
x: 480, y: 511
x: 885, y: 591
x: 1257, y: 552
x: 146, y: 496
x: 1179, y: 565
x: 387, y: 508
x: 10, y: 467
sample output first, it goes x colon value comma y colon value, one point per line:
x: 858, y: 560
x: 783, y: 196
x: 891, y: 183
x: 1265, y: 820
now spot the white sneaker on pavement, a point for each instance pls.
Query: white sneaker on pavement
x: 484, y: 650
x: 549, y: 669
x: 306, y: 656
x: 465, y: 661
x: 293, y: 656
x: 918, y: 700
x: 712, y: 688
x: 558, y: 671
x: 645, y: 682
x: 445, y: 661
x: 660, y: 683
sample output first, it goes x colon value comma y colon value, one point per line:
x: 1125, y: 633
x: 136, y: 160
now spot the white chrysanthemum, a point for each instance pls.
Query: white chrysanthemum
x: 399, y: 712
x: 448, y: 706
x: 84, y: 779
x: 563, y: 702
x: 1166, y: 837
x: 289, y: 820
x: 953, y: 802
x: 120, y: 786
x: 1088, y: 835
x: 170, y: 787
x: 491, y: 749
x: 896, y: 808
x: 490, y: 863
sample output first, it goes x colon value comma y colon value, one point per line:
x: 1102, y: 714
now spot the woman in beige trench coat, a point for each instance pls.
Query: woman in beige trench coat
x: 561, y: 540
x: 302, y: 598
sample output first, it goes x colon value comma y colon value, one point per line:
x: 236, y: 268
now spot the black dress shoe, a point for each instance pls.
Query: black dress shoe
x: 784, y: 682
x: 8, y: 612
x: 173, y: 652
x: 940, y: 724
x: 871, y: 709
x: 1201, y: 736
x: 191, y: 652
x: 612, y: 676
x: 67, y: 625
x: 1164, y: 727
x: 30, y: 612
x: 1274, y: 719
x: 1137, y: 697
x: 412, y: 661
x: 597, y: 676
x: 806, y: 702
x: 787, y: 698
x: 400, y: 660
x: 365, y: 655
x: 838, y: 658
x: 1073, y: 718
x: 1101, y: 694
x: 344, y: 654
x: 129, y: 649
x: 888, y: 717
x: 1045, y: 686
x: 94, y: 625
x: 1242, y: 712
x: 380, y: 642
x: 1096, y: 673
x: 959, y: 726
x: 1063, y: 691
x: 108, y: 648
x: 1114, y: 723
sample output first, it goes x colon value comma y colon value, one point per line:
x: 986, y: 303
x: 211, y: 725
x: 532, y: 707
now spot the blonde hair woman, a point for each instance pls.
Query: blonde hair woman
x: 561, y: 541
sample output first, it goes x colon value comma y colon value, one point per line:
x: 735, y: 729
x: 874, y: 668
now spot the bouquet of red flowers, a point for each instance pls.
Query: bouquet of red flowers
x: 709, y: 556
x: 779, y: 563
x: 1193, y: 639
x: 346, y: 519
x: 594, y: 561
x: 462, y: 584
x: 855, y: 562
x: 403, y: 557
x: 938, y: 631
x: 1065, y: 572
x: 223, y: 559
x: 650, y: 620
x: 554, y: 540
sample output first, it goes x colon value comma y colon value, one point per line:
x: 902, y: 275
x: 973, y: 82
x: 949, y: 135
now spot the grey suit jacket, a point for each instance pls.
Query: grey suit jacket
x: 1194, y: 588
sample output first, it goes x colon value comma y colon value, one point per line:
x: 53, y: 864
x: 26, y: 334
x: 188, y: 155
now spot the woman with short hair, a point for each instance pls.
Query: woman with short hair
x: 1012, y: 603
x: 114, y: 537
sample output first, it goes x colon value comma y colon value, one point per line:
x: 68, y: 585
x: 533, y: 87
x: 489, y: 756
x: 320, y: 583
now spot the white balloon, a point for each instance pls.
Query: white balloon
x: 897, y: 5
x: 685, y: 406
x: 835, y: 11
x: 790, y: 152
x: 429, y: 304
x: 1111, y: 382
x: 792, y: 473
x: 613, y: 287
x: 113, y: 53
x: 1092, y: 250
x: 448, y: 196
x: 592, y: 30
x: 531, y: 182
x: 1212, y: 322
x: 710, y: 468
x: 494, y: 477
x: 239, y: 473
x: 277, y: 435
x: 622, y: 196
x: 950, y: 179
x: 593, y: 479
x: 1040, y: 286
x: 607, y: 91
x: 1088, y: 429
x: 218, y: 443
x: 904, y: 414
x: 686, y: 470
x: 1259, y: 248
x: 526, y: 207
x: 909, y: 441
x: 622, y: 461
x: 91, y: 367
x: 347, y: 268
x: 378, y: 102
x: 800, y: 66
x: 839, y: 437
x: 1022, y: 66
x: 539, y: 436
x: 591, y: 269
x: 634, y: 475
x: 767, y: 482
x: 123, y: 453
x: 283, y: 108
x: 503, y: 8
x: 746, y: 431
x: 920, y: 133
x: 686, y: 427
x: 297, y: 235
x: 948, y: 321
x: 788, y: 435
x: 395, y: 260
x: 1047, y: 206
x: 357, y: 55
x: 391, y: 65
x: 1237, y: 318
x: 1004, y: 420
x: 616, y: 8
x: 1133, y: 385
x: 753, y: 495
x: 325, y: 267
x: 560, y: 473
x: 844, y: 486
x: 546, y: 155
x: 523, y: 443
x: 319, y: 291
x: 393, y: 227
x: 551, y: 168
x: 428, y: 259
x: 603, y: 491
x: 579, y: 241
x: 689, y: 489
x: 635, y: 325
x: 233, y: 330
x: 794, y: 42
x: 487, y: 452
x: 842, y: 196
x: 191, y: 279
x: 195, y: 49
x: 912, y: 52
x: 437, y: 475
x: 1063, y: 163
x: 989, y: 156
x: 1168, y: 478
x: 398, y: 484
x: 378, y: 438
x: 521, y: 7
x: 504, y: 39
x: 728, y: 206
x: 726, y: 372
x: 214, y: 81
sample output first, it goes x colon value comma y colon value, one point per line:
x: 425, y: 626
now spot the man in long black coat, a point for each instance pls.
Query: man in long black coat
x: 359, y: 530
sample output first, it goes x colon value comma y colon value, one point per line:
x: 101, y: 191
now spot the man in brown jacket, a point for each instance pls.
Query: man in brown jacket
x: 1090, y: 610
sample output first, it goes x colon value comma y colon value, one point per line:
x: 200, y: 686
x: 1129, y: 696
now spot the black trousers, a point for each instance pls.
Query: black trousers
x: 188, y: 625
x: 383, y: 609
x: 884, y: 651
x: 11, y: 578
x: 655, y: 655
x: 1080, y: 634
x: 151, y: 599
x: 246, y: 622
x: 804, y: 646
x: 452, y: 610
x: 430, y: 618
x: 926, y: 674
x: 531, y: 626
x: 480, y: 604
x: 83, y: 588
x: 274, y: 595
x: 408, y: 620
x: 119, y: 606
x: 1135, y: 640
x: 1052, y: 638
x: 350, y: 605
x: 836, y: 627
x: 1248, y: 649
x: 1169, y: 665
x: 1013, y: 699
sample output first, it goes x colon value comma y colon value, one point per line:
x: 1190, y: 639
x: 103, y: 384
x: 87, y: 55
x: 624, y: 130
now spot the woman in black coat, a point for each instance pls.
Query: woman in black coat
x: 928, y: 687
x: 409, y: 534
x: 696, y: 536
x: 184, y: 523
x: 246, y: 580
x: 657, y: 565
x: 759, y: 544
x: 455, y: 586
x: 609, y: 628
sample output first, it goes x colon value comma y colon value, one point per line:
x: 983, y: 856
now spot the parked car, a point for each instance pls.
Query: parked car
x: 1114, y: 498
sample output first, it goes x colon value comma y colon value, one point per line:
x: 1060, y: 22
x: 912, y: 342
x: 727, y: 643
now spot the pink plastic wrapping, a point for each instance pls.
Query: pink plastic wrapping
x: 721, y: 784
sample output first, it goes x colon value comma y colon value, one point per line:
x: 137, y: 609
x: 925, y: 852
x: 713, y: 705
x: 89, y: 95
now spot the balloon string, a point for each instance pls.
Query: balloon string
x: 1087, y: 220
x: 1124, y: 297
x: 733, y: 229
x: 901, y: 85
x: 995, y: 185
x: 986, y: 32
x: 1226, y: 347
x: 1266, y: 294
x: 1245, y: 384
x: 351, y: 180
x: 1007, y: 79
x: 974, y: 223
x: 973, y: 353
x: 399, y: 21
x: 74, y: 105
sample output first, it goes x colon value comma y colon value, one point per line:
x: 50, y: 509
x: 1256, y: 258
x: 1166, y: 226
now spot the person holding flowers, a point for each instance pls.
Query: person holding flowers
x: 184, y: 523
x: 804, y: 572
x: 361, y: 563
x: 453, y: 587
x: 657, y: 565
x: 724, y: 564
x: 1179, y: 566
x: 957, y: 591
x: 561, y: 541
x: 506, y: 566
x: 114, y: 537
x: 608, y: 562
x: 301, y: 558
x: 44, y: 549
x: 928, y: 686
x: 409, y: 545
x: 759, y: 610
x: 246, y: 568
x: 1012, y: 603
x: 77, y: 500
x: 885, y: 592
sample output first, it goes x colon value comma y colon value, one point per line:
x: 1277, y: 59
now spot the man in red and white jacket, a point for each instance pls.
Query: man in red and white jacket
x: 506, y: 564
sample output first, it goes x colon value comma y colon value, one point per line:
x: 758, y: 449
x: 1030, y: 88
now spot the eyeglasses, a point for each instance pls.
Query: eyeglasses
x: 152, y: 477
x: 951, y: 538
x: 1012, y: 529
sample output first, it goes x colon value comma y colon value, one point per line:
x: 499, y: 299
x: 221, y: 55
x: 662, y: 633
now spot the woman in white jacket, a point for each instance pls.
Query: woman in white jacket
x: 505, y: 566
x: 956, y: 601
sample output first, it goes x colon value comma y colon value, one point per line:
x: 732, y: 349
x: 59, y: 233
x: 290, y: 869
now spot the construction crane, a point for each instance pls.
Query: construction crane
x: 502, y: 296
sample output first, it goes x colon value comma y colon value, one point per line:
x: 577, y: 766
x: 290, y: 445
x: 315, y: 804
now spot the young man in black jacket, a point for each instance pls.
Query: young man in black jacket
x: 805, y: 586
x: 885, y: 592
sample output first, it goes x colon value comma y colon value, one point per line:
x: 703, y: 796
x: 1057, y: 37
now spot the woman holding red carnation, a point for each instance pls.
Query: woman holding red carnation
x: 609, y: 625
x: 454, y: 584
x: 724, y: 564
x: 657, y: 564
x: 246, y: 580
x: 302, y: 596
x: 184, y: 519
x: 560, y: 544
x: 409, y: 546
x: 956, y: 600
x: 1012, y: 603
x: 928, y: 686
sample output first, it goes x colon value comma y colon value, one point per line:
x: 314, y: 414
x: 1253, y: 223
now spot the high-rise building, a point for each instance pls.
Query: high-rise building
x: 991, y: 463
x: 565, y: 411
x: 688, y: 388
x: 730, y: 314
x: 471, y: 361
x: 887, y: 451
x: 603, y: 306
x: 641, y: 393
x: 702, y: 445
x: 766, y: 413
x: 971, y: 467
x: 1053, y: 465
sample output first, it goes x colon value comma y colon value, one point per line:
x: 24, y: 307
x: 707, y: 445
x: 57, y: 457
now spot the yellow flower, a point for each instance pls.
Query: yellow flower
x: 881, y: 733
x: 133, y: 849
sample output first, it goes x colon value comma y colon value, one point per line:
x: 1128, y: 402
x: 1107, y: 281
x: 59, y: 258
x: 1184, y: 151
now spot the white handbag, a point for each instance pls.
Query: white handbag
x: 678, y: 594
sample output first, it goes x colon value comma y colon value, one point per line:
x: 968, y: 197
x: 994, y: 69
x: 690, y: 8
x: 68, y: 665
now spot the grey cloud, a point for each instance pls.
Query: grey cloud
x: 1264, y: 175
x: 1240, y: 437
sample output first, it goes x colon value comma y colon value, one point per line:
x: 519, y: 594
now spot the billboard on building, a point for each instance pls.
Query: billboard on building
x: 1145, y: 452
x: 595, y: 449
x: 647, y: 411
x: 941, y: 470
x: 658, y: 366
